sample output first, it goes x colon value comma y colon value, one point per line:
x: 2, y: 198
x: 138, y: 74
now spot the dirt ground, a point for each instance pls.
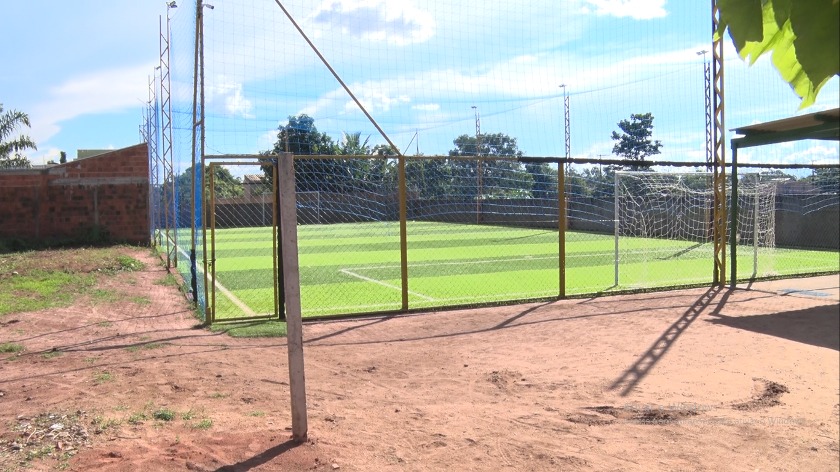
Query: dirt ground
x: 701, y: 379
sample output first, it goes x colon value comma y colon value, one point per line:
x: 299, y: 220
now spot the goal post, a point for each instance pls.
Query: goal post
x: 669, y: 215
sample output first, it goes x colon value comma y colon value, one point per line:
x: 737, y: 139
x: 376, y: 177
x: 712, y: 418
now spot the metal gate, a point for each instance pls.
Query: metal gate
x: 243, y: 267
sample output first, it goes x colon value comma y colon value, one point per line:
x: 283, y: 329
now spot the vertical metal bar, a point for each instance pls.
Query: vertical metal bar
x: 193, y: 275
x: 202, y: 144
x: 291, y: 281
x: 719, y: 154
x: 275, y: 246
x: 733, y: 230
x: 211, y: 312
x: 755, y: 227
x: 403, y: 231
x: 616, y: 224
x: 561, y: 230
x: 278, y: 216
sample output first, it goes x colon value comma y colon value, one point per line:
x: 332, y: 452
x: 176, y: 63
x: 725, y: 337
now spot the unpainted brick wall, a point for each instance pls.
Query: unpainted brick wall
x: 108, y: 192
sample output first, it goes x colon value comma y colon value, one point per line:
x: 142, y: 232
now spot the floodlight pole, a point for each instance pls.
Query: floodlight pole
x: 566, y: 123
x: 478, y: 165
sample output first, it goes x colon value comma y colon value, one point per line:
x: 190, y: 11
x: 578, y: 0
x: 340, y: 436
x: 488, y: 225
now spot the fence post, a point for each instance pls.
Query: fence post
x: 291, y: 282
x: 733, y: 221
x: 561, y: 222
x: 403, y: 231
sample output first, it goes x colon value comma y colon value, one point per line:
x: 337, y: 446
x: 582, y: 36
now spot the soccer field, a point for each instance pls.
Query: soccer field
x: 355, y: 268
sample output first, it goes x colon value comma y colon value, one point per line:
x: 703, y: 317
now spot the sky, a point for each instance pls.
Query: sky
x: 426, y: 70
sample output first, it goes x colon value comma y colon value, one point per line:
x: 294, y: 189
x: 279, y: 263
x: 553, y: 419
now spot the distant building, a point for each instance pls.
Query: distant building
x: 253, y: 184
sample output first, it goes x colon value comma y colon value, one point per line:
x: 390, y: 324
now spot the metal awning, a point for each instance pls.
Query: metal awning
x: 820, y: 125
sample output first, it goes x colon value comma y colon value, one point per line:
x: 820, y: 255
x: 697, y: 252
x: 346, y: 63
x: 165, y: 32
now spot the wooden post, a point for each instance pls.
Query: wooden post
x: 291, y: 283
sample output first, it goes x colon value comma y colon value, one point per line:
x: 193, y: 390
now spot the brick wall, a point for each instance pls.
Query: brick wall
x: 108, y: 192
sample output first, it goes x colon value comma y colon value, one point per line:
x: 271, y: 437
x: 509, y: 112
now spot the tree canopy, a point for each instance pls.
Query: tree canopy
x: 11, y: 149
x: 635, y: 141
x: 803, y: 37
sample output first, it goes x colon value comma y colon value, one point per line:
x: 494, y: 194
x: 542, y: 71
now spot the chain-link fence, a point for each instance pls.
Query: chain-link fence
x: 443, y: 232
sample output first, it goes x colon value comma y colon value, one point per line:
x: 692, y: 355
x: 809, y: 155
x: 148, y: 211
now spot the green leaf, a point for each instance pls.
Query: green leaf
x: 742, y: 18
x: 802, y: 36
x: 816, y: 28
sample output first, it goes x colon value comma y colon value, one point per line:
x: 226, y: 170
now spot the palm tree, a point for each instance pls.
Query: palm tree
x: 352, y: 145
x: 10, y: 149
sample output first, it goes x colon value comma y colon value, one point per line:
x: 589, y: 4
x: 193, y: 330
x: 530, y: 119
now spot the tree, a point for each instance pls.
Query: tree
x: 226, y: 184
x: 803, y: 35
x: 826, y: 180
x: 300, y: 137
x: 544, y: 180
x: 506, y: 178
x: 62, y: 158
x: 10, y: 149
x: 496, y: 144
x: 634, y: 142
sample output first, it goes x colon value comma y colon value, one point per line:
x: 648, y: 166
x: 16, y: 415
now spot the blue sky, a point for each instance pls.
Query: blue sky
x: 81, y: 71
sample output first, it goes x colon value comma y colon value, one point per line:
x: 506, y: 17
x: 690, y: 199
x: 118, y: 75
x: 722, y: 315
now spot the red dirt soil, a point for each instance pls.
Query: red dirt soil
x: 700, y: 379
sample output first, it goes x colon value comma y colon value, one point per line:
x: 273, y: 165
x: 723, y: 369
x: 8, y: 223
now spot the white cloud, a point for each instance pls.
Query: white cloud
x: 230, y: 92
x: 636, y: 9
x: 426, y: 107
x: 105, y: 91
x: 398, y: 22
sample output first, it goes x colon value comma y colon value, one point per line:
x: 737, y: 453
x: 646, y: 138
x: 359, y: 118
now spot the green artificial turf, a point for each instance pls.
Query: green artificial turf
x: 355, y: 268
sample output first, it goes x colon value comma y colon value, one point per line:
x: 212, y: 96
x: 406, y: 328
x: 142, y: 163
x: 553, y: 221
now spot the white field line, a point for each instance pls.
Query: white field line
x: 501, y: 259
x: 384, y: 284
x: 233, y: 298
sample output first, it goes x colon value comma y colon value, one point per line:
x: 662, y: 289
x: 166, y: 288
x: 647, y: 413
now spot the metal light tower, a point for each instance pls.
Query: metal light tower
x: 566, y: 120
x: 707, y: 77
x: 479, y: 169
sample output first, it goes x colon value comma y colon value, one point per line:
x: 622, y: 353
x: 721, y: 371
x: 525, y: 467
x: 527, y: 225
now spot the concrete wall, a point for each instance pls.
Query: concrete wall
x: 108, y: 192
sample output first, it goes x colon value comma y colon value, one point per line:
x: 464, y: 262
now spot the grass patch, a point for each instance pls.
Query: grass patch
x: 256, y: 413
x: 141, y: 300
x: 218, y: 395
x: 104, y: 296
x: 102, y: 377
x: 137, y: 418
x: 147, y: 346
x: 204, y: 424
x: 51, y: 354
x: 104, y: 324
x: 101, y: 424
x: 52, y: 278
x: 128, y: 264
x: 254, y: 329
x: 39, y: 453
x: 164, y: 414
x: 11, y: 347
x: 168, y: 280
x: 187, y: 415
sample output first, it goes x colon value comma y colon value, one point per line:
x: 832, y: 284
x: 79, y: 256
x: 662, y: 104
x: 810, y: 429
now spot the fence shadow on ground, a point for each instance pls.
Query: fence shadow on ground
x: 817, y: 326
x: 261, y: 458
x: 634, y: 374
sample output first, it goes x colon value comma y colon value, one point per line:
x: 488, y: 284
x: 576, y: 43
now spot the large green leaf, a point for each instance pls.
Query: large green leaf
x: 802, y: 36
x: 743, y: 18
x: 816, y: 26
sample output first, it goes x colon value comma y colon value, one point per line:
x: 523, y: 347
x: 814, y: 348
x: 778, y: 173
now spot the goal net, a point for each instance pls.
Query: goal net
x: 667, y: 216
